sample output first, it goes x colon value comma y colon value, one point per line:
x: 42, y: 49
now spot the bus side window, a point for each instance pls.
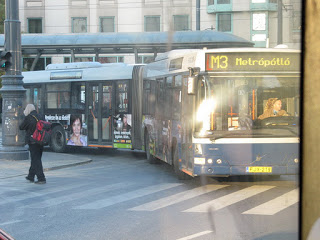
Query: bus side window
x: 78, y: 96
x: 146, y: 97
x: 37, y: 98
x: 58, y: 95
x: 122, y: 99
x: 160, y: 98
x: 28, y: 95
x: 176, y: 98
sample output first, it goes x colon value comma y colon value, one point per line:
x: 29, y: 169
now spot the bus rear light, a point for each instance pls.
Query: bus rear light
x: 201, y: 161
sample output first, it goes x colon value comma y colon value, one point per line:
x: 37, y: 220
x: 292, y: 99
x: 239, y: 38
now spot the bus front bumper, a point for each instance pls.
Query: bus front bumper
x: 243, y: 170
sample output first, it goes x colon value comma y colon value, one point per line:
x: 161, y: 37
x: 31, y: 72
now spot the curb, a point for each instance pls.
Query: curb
x: 66, y: 166
x: 53, y: 168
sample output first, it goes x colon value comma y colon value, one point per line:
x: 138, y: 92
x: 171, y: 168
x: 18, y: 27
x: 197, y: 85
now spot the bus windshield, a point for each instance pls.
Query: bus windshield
x: 251, y: 106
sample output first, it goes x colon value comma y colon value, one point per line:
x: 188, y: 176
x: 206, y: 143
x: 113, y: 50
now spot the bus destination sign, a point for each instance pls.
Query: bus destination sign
x: 252, y: 61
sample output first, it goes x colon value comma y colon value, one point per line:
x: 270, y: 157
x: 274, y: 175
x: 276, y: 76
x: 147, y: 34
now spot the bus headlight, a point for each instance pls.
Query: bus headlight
x: 210, y: 161
x: 201, y: 161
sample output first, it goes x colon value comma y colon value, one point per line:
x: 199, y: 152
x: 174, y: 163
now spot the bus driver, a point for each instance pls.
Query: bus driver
x: 273, y: 109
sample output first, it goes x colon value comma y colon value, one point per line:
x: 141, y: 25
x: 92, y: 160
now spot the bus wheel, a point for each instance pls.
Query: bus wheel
x: 58, y: 139
x: 150, y: 157
x: 181, y: 175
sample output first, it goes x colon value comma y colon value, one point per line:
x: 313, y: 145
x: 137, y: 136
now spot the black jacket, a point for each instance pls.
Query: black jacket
x: 29, y: 125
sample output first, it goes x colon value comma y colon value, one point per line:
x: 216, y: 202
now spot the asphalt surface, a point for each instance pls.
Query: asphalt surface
x: 50, y: 161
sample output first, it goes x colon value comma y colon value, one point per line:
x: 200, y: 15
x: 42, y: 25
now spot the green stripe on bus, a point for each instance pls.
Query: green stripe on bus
x: 122, y: 145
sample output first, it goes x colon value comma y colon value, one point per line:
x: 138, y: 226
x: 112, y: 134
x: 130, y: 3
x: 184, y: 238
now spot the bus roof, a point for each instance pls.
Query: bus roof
x: 84, y: 71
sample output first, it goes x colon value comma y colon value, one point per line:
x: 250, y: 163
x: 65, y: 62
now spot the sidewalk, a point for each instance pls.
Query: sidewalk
x: 50, y: 161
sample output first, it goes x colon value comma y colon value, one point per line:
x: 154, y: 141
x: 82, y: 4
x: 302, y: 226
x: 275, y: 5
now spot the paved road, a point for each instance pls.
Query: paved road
x: 121, y: 196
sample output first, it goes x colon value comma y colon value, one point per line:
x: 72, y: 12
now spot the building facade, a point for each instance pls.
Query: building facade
x: 267, y: 23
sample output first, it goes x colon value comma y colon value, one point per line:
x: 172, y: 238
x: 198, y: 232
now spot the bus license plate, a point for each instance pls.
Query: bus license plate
x: 259, y: 169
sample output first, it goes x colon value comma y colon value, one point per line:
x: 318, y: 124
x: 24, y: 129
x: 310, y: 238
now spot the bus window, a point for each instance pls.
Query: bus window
x: 239, y: 104
x: 169, y: 81
x: 37, y: 98
x: 160, y: 98
x: 58, y: 95
x: 122, y: 98
x: 148, y: 97
x: 78, y: 96
x: 28, y: 95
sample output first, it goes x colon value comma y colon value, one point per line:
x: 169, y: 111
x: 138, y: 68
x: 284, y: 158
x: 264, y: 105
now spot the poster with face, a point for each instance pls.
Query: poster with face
x: 77, y: 131
x: 122, y: 129
x: 74, y: 126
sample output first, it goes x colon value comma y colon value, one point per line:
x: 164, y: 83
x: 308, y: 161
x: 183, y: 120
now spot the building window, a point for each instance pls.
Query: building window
x: 41, y: 63
x: 210, y: 2
x: 34, y: 25
x: 107, y: 24
x: 224, y: 22
x: 181, y: 23
x: 297, y: 20
x: 115, y: 59
x: 145, y: 59
x: 79, y: 25
x: 223, y: 1
x: 78, y: 59
x: 259, y: 22
x: 152, y: 23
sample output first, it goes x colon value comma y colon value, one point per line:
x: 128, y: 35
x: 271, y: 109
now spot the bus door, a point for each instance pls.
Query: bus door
x: 186, y: 121
x: 100, y: 112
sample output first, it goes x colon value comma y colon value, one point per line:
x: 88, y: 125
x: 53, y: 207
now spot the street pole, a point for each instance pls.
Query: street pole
x: 280, y: 31
x: 198, y: 15
x: 13, y: 92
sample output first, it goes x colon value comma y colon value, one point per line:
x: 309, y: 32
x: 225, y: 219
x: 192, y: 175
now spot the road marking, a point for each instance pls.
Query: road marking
x: 127, y: 196
x: 74, y: 196
x: 27, y: 194
x: 10, y: 222
x: 195, y: 235
x: 176, y: 198
x: 230, y: 199
x: 276, y: 205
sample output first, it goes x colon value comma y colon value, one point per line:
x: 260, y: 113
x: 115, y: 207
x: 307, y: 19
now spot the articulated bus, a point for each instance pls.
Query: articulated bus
x: 88, y: 103
x: 223, y: 112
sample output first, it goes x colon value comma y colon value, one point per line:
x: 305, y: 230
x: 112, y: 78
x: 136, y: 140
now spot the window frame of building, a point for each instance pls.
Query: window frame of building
x: 146, y: 24
x: 76, y: 18
x: 180, y: 16
x: 218, y: 21
x: 35, y: 20
x: 112, y: 18
x: 223, y: 1
x: 210, y: 2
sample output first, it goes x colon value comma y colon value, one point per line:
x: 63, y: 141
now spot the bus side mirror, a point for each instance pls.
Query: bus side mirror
x: 192, y: 85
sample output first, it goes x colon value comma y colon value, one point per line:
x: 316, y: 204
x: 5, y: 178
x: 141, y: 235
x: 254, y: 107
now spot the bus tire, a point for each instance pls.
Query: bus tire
x: 58, y: 139
x: 181, y: 175
x: 149, y: 156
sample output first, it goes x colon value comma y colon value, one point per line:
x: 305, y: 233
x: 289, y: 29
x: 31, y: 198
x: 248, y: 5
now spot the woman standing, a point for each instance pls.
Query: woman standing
x: 29, y: 125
